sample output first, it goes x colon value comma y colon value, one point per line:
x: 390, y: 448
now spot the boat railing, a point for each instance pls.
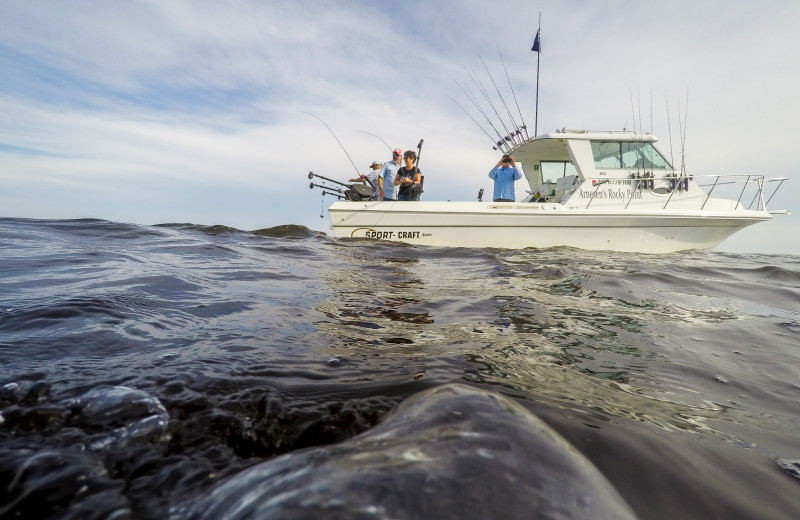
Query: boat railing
x: 755, y: 185
x: 759, y: 183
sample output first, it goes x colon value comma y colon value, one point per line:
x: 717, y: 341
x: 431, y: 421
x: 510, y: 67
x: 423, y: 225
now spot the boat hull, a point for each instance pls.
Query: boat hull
x: 522, y: 225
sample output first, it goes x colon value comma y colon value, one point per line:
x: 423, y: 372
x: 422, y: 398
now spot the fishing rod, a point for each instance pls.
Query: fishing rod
x: 419, y: 152
x: 510, y: 85
x: 517, y: 131
x: 682, y: 131
x: 337, y: 140
x: 311, y: 175
x: 639, y: 103
x: 499, y: 144
x: 633, y: 110
x: 353, y: 192
x: 314, y: 185
x: 669, y: 126
x: 480, y: 109
x: 494, y: 147
x: 483, y: 91
x: 685, y: 119
x: 334, y: 193
x: 378, y: 138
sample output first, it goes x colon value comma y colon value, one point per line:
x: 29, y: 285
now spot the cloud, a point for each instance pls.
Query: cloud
x: 104, y: 97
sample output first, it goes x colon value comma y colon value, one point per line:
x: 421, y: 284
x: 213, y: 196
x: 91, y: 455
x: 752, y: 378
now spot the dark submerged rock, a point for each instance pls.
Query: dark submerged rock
x: 452, y: 452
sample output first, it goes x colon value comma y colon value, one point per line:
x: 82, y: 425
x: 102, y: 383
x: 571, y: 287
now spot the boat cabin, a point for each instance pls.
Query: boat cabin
x: 559, y: 164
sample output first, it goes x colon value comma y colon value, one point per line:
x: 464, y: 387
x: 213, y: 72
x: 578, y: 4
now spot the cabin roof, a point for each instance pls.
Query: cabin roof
x: 594, y: 135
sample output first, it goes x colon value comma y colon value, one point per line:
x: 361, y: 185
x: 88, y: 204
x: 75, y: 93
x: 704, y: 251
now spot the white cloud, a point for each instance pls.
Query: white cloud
x: 208, y: 95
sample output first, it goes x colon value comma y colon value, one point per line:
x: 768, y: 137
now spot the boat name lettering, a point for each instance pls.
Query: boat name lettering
x: 610, y: 194
x: 389, y: 235
x: 380, y: 235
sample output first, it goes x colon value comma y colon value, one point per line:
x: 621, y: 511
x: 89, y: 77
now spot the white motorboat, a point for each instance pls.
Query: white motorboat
x: 609, y: 191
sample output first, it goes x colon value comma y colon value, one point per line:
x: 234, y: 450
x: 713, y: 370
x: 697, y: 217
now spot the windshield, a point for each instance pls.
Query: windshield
x: 552, y: 170
x: 627, y: 155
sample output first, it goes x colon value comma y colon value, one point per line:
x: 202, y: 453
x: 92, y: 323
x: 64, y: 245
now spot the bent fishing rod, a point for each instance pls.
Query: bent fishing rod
x: 337, y: 140
x: 378, y: 138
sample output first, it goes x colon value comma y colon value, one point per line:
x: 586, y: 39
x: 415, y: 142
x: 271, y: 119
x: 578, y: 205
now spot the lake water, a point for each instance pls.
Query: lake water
x: 145, y: 366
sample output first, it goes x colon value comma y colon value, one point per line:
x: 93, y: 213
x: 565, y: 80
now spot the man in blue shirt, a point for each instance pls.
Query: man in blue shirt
x: 504, y: 175
x: 386, y: 176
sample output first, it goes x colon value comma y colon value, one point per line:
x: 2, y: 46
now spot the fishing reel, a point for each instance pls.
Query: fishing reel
x: 354, y: 192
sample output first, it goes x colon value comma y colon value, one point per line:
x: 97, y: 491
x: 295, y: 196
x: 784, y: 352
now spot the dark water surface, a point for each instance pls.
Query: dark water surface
x: 146, y: 368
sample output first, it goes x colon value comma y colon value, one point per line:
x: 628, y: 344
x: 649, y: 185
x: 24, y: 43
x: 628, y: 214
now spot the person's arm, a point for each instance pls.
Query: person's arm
x: 418, y: 177
x: 517, y: 173
x: 406, y: 180
x: 493, y: 173
x: 380, y: 186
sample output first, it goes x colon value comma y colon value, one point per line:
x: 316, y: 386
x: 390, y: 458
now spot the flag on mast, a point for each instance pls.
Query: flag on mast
x: 537, y: 48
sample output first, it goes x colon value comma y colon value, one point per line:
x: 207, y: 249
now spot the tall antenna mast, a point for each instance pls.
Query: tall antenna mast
x: 537, y: 48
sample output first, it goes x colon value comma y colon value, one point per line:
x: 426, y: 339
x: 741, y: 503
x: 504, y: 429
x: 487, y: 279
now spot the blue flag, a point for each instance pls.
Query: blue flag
x: 537, y: 43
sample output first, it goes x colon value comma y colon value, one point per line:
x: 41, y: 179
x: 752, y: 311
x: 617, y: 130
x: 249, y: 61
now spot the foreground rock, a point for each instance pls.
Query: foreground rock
x: 453, y: 452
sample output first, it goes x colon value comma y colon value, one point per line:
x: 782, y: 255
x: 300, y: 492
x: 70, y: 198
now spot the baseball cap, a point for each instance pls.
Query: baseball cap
x: 374, y: 163
x: 398, y: 151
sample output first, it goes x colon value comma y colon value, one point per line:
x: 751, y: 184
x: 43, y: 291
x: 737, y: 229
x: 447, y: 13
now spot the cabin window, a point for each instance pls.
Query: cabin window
x: 615, y: 155
x: 552, y: 170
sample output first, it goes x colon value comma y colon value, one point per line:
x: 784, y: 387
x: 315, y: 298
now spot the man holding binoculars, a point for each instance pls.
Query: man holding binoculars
x: 504, y: 175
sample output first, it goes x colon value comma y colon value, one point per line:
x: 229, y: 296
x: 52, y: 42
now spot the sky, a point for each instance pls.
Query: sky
x: 196, y: 111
